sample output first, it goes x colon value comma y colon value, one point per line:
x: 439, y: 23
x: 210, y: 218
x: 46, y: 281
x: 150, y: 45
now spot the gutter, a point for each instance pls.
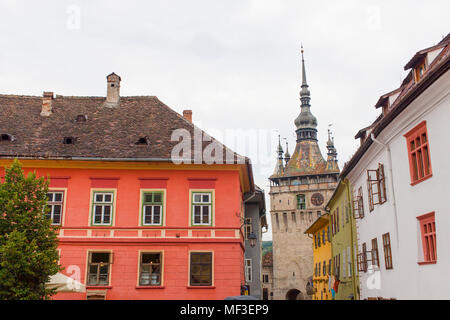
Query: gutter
x: 388, y: 149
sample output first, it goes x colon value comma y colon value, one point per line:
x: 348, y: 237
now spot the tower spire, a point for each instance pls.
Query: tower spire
x: 306, y: 123
x: 304, y: 83
x: 305, y: 94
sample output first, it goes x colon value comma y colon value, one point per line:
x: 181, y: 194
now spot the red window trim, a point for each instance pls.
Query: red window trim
x: 429, y: 257
x: 411, y: 135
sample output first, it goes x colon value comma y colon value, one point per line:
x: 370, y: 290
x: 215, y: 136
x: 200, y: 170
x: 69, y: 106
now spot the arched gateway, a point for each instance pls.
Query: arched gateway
x: 294, y: 294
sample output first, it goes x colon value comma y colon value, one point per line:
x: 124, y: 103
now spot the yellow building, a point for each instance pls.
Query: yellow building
x: 320, y: 232
x: 343, y: 243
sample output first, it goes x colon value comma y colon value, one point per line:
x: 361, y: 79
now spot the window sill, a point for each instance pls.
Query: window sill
x: 101, y: 226
x: 150, y: 287
x: 420, y: 180
x: 201, y: 287
x: 98, y: 287
x: 426, y: 262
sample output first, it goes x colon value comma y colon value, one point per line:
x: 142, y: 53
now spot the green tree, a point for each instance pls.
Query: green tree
x: 28, y: 241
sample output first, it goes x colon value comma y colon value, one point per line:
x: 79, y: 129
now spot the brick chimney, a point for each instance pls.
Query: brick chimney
x: 187, y: 114
x: 113, y: 90
x: 46, y: 110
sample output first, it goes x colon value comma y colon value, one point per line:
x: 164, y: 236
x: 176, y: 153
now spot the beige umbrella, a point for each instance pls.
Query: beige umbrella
x: 63, y: 283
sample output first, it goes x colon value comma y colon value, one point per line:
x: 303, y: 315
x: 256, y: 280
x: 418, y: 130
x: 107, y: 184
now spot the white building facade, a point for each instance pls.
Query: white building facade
x: 400, y: 178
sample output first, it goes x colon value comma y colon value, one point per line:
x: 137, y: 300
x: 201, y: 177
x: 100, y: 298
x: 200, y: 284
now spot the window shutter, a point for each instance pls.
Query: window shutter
x: 381, y: 184
x: 370, y: 188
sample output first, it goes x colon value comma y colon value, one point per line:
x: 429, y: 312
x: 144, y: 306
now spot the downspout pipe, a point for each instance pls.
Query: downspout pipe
x: 394, y: 204
x: 353, y: 241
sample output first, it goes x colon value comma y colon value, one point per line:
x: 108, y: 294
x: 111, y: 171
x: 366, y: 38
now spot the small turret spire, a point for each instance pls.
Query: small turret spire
x: 287, y: 156
x: 279, y: 168
x: 280, y: 148
x: 330, y: 144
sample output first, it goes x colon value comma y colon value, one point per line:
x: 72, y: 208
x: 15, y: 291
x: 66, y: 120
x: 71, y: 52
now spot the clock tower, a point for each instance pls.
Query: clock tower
x: 299, y: 191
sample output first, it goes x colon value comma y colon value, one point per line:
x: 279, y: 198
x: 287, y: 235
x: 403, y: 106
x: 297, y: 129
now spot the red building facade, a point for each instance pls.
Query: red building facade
x: 133, y: 225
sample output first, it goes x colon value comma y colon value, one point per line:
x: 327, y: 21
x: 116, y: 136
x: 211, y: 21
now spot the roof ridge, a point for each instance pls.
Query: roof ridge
x: 17, y: 96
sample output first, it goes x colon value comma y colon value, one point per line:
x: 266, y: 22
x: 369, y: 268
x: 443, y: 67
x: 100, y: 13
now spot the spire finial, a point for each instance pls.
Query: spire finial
x: 304, y: 83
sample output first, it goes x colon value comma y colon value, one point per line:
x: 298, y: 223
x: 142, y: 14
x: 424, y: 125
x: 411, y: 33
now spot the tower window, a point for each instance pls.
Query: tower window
x: 301, y: 202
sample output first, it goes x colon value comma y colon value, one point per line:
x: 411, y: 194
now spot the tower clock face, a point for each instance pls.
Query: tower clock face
x: 317, y: 199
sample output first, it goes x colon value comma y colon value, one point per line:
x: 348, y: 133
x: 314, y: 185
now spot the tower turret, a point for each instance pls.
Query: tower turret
x: 279, y: 168
x: 287, y: 156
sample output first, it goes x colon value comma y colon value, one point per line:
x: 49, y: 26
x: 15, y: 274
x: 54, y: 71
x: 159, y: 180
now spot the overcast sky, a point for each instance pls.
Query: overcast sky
x: 235, y: 63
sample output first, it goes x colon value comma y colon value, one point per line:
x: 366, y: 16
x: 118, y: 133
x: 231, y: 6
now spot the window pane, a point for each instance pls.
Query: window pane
x: 49, y: 197
x: 419, y: 153
x: 147, y: 214
x: 197, y: 211
x: 57, y: 214
x: 107, y: 214
x: 414, y: 164
x: 197, y: 198
x: 157, y: 197
x: 427, y: 160
x: 151, y: 257
x: 92, y: 269
x: 424, y: 138
x: 144, y: 279
x: 195, y: 258
x: 206, y: 257
x: 108, y: 197
x: 148, y: 197
x: 156, y: 214
x: 98, y: 257
x: 103, y: 279
x: 58, y: 197
x: 92, y: 279
x: 205, y: 214
x: 56, y: 209
x: 205, y: 198
x: 98, y: 214
x: 418, y: 142
x: 98, y: 197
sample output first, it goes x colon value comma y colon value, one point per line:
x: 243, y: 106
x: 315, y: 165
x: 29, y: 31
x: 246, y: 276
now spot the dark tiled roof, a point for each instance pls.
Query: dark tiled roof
x: 109, y: 133
x: 410, y: 90
x: 420, y: 54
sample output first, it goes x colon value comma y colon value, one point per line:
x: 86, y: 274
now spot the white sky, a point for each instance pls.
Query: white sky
x: 235, y: 63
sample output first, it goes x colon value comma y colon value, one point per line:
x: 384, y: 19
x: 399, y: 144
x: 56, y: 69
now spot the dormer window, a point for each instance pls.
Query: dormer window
x: 81, y: 118
x: 6, y: 137
x: 420, y: 70
x: 69, y: 140
x: 142, y: 141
